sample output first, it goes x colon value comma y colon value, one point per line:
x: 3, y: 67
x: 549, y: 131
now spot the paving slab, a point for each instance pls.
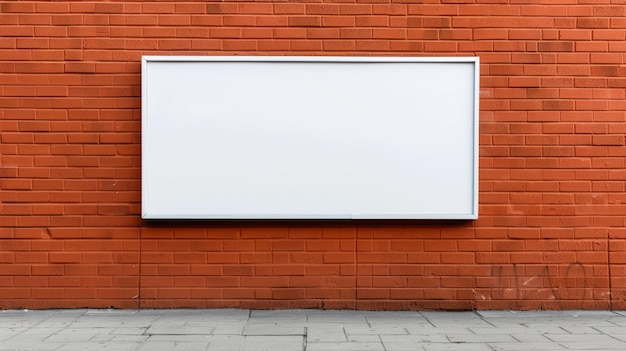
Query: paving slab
x: 457, y: 347
x: 526, y: 346
x: 310, y: 330
x: 402, y: 347
x: 30, y: 346
x: 229, y: 329
x: 478, y: 338
x: 388, y: 330
x: 326, y: 333
x: 6, y: 333
x: 363, y: 338
x: 497, y: 330
x: 77, y: 334
x: 97, y: 346
x: 594, y: 345
x: 579, y: 338
x: 273, y: 329
x: 264, y: 317
x: 137, y: 339
x: 173, y: 345
x: 179, y: 330
x: 530, y: 337
x: 430, y: 329
x: 180, y: 338
x: 345, y: 346
x: 456, y: 319
x: 414, y: 339
x: 339, y: 316
x: 258, y: 343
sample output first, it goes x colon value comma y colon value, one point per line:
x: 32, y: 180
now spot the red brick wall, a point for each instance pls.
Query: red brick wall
x: 551, y: 232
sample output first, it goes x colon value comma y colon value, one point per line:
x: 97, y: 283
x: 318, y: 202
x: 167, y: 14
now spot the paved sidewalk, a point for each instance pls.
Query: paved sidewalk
x: 310, y: 330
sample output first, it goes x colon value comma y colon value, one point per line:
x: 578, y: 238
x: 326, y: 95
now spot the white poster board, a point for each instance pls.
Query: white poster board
x: 309, y: 138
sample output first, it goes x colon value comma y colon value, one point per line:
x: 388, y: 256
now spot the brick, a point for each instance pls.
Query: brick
x: 557, y: 46
x: 316, y: 9
x: 608, y: 140
x: 176, y: 20
x: 189, y: 8
x: 305, y: 21
x: 260, y: 8
x: 241, y: 21
x: 594, y: 23
x: 290, y: 8
x: 64, y: 257
x: 338, y: 21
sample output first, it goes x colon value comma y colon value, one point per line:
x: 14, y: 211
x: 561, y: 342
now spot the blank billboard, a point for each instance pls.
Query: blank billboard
x: 309, y: 138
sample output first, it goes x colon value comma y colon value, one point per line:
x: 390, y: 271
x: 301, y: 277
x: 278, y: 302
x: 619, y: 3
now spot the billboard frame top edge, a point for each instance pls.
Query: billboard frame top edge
x: 329, y: 59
